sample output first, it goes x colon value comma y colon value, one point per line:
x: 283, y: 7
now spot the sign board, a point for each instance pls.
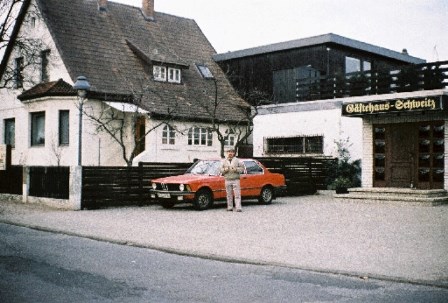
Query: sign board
x: 433, y: 103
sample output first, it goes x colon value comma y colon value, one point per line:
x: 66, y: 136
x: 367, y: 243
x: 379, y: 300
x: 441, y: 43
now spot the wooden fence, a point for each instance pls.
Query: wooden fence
x: 112, y: 186
x: 304, y: 175
x: 115, y: 186
x: 11, y: 180
x: 49, y: 181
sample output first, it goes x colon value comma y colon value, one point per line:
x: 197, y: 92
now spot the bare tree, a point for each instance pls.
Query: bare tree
x: 13, y: 13
x: 123, y: 127
x: 56, y: 149
x: 241, y: 128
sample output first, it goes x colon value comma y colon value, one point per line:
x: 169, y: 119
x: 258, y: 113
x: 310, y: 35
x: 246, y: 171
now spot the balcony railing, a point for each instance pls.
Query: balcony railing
x: 427, y: 76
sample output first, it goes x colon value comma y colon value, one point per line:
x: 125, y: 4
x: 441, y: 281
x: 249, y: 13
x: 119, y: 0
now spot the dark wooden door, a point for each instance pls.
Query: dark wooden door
x: 402, y: 150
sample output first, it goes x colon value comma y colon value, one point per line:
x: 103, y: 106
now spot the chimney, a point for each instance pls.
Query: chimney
x: 102, y: 5
x: 148, y: 9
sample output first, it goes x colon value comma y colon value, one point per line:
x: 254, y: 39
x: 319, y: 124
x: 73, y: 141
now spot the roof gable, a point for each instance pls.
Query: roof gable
x: 54, y: 88
x: 115, y: 50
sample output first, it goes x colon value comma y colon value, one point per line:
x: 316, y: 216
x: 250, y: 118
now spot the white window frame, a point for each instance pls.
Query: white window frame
x: 168, y: 135
x: 200, y: 136
x: 174, y: 75
x: 159, y: 73
x: 230, y: 140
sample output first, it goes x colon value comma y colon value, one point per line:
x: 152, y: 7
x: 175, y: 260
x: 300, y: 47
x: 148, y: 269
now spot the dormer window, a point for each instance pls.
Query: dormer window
x: 173, y: 75
x: 159, y: 73
x: 170, y: 74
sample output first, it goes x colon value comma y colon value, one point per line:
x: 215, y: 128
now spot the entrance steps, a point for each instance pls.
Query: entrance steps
x: 430, y: 197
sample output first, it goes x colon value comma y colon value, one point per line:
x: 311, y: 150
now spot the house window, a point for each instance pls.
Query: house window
x: 18, y: 69
x: 38, y: 128
x: 168, y: 135
x: 204, y: 71
x: 355, y: 65
x: 170, y: 74
x: 10, y: 132
x: 140, y: 135
x: 159, y: 73
x: 230, y: 140
x: 200, y: 136
x: 64, y: 127
x: 44, y: 57
x: 295, y: 145
x: 173, y: 75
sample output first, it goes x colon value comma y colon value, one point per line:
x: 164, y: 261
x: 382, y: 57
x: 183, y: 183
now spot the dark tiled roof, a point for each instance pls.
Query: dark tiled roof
x: 54, y: 88
x: 316, y: 40
x: 113, y: 49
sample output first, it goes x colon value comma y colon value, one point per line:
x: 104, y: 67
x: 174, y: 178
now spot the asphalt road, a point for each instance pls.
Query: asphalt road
x: 39, y: 266
x: 390, y: 241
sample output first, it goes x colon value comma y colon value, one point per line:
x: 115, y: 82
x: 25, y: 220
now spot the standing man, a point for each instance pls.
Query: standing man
x: 231, y: 168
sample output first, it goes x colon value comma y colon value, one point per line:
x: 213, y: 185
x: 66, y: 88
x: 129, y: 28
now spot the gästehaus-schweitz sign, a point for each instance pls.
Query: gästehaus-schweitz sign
x: 433, y: 103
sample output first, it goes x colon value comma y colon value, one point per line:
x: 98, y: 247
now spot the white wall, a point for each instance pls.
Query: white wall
x: 326, y: 122
x: 179, y: 152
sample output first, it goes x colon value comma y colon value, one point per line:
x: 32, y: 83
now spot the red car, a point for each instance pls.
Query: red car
x: 203, y: 184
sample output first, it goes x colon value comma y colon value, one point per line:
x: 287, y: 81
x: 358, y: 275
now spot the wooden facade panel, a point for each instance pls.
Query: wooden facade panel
x: 256, y: 72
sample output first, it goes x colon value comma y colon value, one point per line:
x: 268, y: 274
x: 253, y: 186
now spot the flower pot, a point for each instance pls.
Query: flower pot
x: 341, y: 190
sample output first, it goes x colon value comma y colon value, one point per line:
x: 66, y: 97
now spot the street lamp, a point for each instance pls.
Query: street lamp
x: 82, y: 86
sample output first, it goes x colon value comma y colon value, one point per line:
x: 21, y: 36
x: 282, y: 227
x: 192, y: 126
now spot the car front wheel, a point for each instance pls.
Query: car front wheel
x: 203, y: 200
x: 266, y: 195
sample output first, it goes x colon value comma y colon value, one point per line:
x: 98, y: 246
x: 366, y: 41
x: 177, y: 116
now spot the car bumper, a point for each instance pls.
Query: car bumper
x: 176, y: 196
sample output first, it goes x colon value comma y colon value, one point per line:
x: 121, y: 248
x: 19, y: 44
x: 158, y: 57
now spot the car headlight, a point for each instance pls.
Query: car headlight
x: 154, y: 186
x: 181, y: 187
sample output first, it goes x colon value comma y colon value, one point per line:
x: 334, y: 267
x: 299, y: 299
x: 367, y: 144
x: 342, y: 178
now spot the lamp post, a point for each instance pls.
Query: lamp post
x: 82, y: 86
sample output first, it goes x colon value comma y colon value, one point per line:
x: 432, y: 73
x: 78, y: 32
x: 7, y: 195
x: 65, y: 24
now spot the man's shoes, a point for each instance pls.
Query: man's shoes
x: 229, y: 209
x: 239, y: 210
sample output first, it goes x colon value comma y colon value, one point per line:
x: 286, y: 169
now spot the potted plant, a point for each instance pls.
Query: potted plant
x: 344, y: 173
x: 341, y: 185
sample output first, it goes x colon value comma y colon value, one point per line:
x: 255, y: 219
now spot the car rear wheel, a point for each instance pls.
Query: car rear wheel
x: 167, y: 204
x: 203, y: 200
x: 266, y: 195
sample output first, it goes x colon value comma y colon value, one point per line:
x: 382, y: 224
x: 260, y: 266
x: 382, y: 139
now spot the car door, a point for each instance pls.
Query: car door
x: 251, y: 179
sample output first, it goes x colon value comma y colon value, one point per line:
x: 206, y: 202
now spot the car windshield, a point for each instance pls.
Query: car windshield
x: 205, y: 167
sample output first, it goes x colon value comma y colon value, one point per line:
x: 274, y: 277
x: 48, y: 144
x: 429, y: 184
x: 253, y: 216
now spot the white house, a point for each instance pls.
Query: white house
x: 150, y: 72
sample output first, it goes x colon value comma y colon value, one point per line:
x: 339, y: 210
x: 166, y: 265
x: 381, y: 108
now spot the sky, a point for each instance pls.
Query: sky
x: 420, y: 26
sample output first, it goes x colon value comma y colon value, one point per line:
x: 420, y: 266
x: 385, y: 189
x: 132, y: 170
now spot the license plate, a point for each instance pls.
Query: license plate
x: 164, y: 195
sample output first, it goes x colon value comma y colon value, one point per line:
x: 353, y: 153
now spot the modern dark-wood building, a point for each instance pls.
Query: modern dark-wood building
x: 275, y: 69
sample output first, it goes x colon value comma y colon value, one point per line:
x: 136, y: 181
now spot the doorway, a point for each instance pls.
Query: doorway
x: 409, y: 155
